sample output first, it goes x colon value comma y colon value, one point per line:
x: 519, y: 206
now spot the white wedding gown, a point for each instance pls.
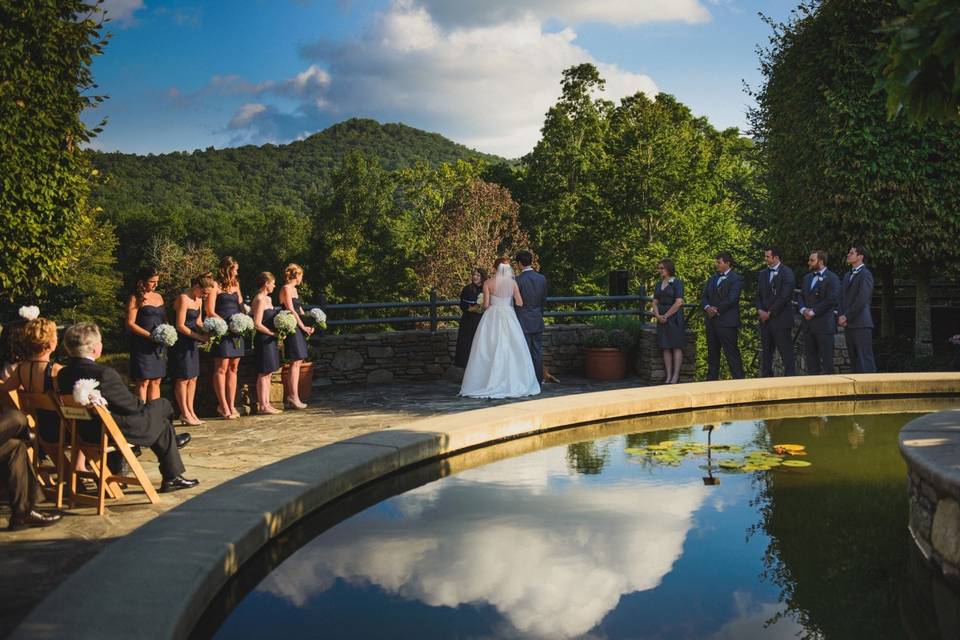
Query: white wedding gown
x: 500, y: 365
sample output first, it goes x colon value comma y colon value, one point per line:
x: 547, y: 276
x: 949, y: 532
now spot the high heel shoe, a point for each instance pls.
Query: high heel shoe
x: 272, y: 411
x: 227, y: 416
x: 293, y: 404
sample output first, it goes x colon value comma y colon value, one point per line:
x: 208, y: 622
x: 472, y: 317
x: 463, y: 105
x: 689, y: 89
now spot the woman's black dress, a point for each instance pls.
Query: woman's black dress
x: 670, y: 335
x: 230, y: 345
x: 146, y: 356
x: 295, y: 345
x: 267, y: 351
x: 185, y: 355
x: 469, y: 322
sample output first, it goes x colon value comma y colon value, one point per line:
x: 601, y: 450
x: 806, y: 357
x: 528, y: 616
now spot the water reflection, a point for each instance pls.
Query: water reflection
x: 551, y: 563
x: 581, y: 540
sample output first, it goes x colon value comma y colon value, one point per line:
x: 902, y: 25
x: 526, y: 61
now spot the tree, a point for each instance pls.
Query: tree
x: 480, y: 223
x: 563, y: 207
x: 837, y: 172
x: 920, y: 66
x: 46, y: 48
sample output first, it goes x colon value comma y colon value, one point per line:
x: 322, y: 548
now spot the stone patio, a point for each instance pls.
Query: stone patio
x: 35, y: 561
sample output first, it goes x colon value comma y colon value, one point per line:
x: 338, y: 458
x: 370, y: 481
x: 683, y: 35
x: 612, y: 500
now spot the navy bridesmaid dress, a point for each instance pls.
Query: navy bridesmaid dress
x: 230, y: 345
x: 146, y: 356
x: 295, y: 345
x: 185, y: 355
x: 672, y: 334
x: 267, y: 348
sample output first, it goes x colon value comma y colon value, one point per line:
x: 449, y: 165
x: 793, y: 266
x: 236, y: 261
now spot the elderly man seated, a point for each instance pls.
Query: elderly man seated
x: 141, y: 424
x: 17, y: 473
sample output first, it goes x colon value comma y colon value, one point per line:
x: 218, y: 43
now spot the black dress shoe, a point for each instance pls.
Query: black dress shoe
x: 33, y: 518
x: 182, y: 440
x: 175, y: 484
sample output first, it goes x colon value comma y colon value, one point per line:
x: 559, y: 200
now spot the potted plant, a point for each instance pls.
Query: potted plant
x: 605, y: 354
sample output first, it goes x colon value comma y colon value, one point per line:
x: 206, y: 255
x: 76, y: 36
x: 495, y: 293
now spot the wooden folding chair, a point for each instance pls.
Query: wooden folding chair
x: 111, y: 439
x: 52, y: 476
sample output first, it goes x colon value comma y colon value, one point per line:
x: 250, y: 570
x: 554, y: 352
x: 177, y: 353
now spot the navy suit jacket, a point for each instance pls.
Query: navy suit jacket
x: 725, y: 296
x: 776, y: 296
x: 824, y: 298
x: 533, y: 290
x: 855, y: 296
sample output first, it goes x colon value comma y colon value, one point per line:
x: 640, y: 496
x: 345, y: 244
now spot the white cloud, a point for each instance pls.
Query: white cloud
x: 121, y: 12
x: 246, y: 113
x: 618, y: 12
x: 487, y: 86
x: 753, y: 618
x: 553, y: 564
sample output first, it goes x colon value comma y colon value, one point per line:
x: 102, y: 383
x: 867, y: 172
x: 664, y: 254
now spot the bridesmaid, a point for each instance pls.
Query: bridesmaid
x: 267, y: 352
x: 144, y: 312
x: 668, y: 310
x: 294, y: 346
x: 227, y: 302
x: 184, y: 355
x: 470, y: 319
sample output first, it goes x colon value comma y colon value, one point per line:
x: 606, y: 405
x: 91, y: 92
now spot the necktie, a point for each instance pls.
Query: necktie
x: 773, y: 274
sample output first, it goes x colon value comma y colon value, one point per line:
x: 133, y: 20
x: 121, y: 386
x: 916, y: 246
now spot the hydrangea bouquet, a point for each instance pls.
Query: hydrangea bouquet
x: 216, y: 328
x: 241, y: 325
x: 285, y: 324
x: 164, y: 334
x: 319, y: 317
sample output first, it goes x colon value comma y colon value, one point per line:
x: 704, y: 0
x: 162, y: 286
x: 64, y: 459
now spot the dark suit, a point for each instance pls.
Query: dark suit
x: 855, y: 295
x: 723, y: 292
x: 822, y: 295
x: 533, y: 290
x: 775, y: 295
x: 147, y: 424
x: 16, y: 472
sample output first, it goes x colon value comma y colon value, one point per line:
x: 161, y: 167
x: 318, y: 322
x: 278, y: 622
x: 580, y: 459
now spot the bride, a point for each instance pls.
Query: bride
x: 500, y: 365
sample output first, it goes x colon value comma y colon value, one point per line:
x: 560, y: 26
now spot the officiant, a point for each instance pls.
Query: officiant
x: 470, y: 319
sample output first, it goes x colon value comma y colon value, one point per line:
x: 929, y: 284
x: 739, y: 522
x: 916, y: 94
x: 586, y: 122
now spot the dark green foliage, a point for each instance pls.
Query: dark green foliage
x: 46, y: 48
x: 920, y: 67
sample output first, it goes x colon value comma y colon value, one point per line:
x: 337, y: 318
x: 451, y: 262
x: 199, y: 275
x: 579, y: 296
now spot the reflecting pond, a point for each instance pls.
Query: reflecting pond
x: 605, y: 539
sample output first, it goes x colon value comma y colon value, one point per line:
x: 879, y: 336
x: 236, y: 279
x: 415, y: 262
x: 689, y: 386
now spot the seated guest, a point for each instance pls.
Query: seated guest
x: 16, y: 473
x: 10, y: 346
x: 146, y: 424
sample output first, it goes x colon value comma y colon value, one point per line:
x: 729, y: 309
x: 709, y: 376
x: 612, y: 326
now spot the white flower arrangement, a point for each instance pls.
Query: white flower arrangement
x: 86, y: 393
x: 285, y: 324
x: 479, y: 299
x: 319, y: 317
x: 164, y: 334
x: 671, y: 280
x: 216, y: 328
x: 241, y: 324
x: 29, y: 313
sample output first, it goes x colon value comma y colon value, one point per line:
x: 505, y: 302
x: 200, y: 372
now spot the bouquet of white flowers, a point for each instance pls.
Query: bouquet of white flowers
x: 85, y: 392
x: 164, y: 334
x: 319, y: 317
x: 29, y: 313
x: 285, y: 324
x: 241, y: 325
x: 216, y: 328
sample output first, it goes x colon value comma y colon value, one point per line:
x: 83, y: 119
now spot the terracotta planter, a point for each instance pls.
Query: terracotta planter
x: 604, y: 363
x: 306, y: 379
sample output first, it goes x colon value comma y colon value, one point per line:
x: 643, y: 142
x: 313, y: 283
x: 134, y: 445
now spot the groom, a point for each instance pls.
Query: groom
x: 533, y: 290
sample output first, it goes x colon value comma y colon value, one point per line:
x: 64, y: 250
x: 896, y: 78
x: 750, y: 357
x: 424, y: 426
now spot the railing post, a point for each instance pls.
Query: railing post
x: 642, y: 303
x: 433, y: 311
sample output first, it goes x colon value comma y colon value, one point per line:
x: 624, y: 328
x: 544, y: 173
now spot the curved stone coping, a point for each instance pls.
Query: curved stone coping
x: 159, y: 579
x: 931, y: 446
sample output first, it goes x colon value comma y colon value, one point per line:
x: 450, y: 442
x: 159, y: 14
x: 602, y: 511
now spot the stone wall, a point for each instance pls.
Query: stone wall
x: 841, y: 358
x: 935, y: 525
x: 410, y: 355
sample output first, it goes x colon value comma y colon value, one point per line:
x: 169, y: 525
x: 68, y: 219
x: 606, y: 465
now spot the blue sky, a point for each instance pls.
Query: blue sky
x: 185, y: 74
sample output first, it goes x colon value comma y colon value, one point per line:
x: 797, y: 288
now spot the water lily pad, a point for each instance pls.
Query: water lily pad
x: 795, y: 463
x: 636, y: 451
x: 730, y: 464
x: 789, y: 447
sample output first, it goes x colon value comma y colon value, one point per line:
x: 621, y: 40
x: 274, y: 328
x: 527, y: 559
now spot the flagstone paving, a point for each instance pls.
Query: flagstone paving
x: 34, y: 561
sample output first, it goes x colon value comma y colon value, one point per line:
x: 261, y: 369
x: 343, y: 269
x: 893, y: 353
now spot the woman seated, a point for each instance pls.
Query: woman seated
x: 35, y: 373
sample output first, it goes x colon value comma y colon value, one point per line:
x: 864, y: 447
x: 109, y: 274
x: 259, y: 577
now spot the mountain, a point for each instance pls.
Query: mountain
x: 214, y: 196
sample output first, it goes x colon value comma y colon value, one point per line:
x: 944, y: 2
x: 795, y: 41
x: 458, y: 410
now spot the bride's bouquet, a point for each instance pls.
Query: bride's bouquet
x: 164, y: 334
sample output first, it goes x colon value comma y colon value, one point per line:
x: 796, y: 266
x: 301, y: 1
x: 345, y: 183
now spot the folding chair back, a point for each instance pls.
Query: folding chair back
x: 111, y: 439
x: 53, y: 476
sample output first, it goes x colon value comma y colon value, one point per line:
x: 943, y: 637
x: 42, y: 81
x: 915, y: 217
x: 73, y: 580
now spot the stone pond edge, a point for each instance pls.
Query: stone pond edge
x: 157, y: 581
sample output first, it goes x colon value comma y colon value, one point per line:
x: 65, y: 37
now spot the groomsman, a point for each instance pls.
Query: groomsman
x: 855, y: 317
x: 721, y: 306
x: 774, y: 303
x: 819, y: 297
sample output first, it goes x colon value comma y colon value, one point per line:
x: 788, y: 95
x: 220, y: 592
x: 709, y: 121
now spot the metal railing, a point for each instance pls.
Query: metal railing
x: 429, y: 311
